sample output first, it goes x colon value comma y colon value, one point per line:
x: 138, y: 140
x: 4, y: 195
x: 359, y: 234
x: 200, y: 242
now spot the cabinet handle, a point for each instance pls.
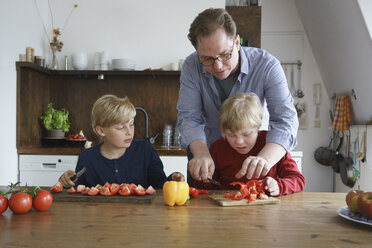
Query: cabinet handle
x: 49, y: 165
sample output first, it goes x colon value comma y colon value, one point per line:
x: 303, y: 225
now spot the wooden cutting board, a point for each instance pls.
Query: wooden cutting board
x: 221, y: 200
x: 77, y: 197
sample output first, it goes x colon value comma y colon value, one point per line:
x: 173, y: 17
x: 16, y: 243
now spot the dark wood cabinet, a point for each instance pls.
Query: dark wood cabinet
x: 248, y: 23
x: 155, y: 91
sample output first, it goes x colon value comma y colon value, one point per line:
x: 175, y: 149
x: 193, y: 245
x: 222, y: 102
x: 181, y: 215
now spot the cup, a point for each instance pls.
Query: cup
x: 174, y: 66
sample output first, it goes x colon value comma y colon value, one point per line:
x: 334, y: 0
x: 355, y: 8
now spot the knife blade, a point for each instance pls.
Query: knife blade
x: 214, y: 182
x: 78, y: 174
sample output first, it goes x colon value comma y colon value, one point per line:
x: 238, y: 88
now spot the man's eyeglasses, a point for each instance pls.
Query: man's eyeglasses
x: 207, y: 61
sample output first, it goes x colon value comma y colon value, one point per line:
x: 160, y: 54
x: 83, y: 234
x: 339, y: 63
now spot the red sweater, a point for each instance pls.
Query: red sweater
x: 228, y: 162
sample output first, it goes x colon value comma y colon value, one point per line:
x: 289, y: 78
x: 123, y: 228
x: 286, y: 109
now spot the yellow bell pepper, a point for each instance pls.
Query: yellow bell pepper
x: 175, y: 193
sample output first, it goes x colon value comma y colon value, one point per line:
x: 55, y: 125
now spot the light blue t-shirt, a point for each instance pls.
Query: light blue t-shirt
x: 260, y: 73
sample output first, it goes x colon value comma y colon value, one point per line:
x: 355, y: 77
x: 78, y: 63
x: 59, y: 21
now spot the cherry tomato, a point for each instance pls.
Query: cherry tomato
x: 3, y: 204
x: 194, y: 192
x: 20, y: 202
x: 43, y: 200
x: 58, y: 187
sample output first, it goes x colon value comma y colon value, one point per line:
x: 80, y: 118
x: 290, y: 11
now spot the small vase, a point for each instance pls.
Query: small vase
x: 54, y: 63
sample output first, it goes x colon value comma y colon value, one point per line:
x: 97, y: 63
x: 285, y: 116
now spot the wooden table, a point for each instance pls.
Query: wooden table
x: 300, y: 220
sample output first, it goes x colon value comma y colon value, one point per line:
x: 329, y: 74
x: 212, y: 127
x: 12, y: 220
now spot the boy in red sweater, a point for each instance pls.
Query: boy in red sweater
x: 239, y: 120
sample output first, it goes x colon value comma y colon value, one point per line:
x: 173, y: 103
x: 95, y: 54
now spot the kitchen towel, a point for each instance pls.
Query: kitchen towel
x: 342, y: 113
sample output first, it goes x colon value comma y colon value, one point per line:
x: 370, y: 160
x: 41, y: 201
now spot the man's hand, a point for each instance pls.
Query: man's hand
x: 253, y: 167
x: 65, y: 179
x: 271, y: 185
x: 201, y: 166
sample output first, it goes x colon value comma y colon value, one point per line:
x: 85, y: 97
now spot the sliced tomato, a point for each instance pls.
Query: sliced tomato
x: 114, y: 188
x: 93, y: 191
x: 132, y: 186
x: 124, y: 190
x: 80, y: 188
x: 71, y: 190
x: 99, y: 186
x: 58, y: 187
x: 107, y: 184
x: 139, y: 190
x: 194, y: 192
x: 85, y: 191
x: 150, y: 190
x: 105, y: 191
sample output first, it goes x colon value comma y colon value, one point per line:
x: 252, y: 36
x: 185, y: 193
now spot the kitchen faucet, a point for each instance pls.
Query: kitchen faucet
x: 147, y: 137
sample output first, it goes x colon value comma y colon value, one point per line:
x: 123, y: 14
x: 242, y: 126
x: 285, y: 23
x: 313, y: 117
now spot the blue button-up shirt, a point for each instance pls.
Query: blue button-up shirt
x: 260, y: 73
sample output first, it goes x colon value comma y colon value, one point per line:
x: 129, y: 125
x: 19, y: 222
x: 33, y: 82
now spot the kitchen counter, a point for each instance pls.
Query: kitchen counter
x: 77, y: 150
x: 300, y: 220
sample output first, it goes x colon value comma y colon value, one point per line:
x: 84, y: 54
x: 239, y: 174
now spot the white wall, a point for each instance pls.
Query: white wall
x: 282, y: 30
x: 154, y: 34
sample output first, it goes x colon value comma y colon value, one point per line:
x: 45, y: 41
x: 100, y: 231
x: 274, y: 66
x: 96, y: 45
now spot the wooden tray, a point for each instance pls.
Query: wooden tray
x: 64, y: 196
x: 221, y: 200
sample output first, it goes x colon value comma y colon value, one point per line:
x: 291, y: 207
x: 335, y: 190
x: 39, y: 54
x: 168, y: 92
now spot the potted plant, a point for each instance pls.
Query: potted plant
x: 55, y: 121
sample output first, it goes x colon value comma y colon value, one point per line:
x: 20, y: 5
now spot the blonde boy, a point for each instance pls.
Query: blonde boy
x: 118, y: 158
x: 239, y: 121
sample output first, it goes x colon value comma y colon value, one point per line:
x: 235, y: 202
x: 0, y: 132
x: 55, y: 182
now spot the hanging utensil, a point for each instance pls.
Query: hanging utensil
x: 346, y: 167
x: 299, y: 92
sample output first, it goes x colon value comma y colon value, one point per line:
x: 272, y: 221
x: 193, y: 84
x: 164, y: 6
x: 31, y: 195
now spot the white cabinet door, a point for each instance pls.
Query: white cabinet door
x: 174, y: 164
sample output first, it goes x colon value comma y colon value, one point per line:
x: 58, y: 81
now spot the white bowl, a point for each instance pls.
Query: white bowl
x: 80, y: 64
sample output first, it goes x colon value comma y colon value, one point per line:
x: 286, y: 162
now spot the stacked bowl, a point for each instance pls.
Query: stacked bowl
x: 123, y: 64
x: 80, y: 61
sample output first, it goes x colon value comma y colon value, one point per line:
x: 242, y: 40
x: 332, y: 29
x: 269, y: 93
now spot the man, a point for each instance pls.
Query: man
x: 220, y: 68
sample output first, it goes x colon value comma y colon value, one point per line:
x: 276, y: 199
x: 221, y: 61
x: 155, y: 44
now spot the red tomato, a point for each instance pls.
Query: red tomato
x: 107, y: 184
x: 105, y: 191
x: 99, y: 186
x: 85, y: 191
x: 124, y: 190
x: 139, y: 190
x: 3, y: 204
x: 203, y: 191
x: 20, y: 202
x: 80, y: 188
x: 132, y: 186
x: 43, y: 200
x: 114, y: 188
x: 150, y: 190
x: 71, y: 190
x: 193, y: 192
x: 58, y: 187
x: 93, y: 191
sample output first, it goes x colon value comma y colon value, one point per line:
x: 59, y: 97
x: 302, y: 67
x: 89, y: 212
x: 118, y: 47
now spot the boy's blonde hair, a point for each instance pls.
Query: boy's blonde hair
x: 110, y: 110
x: 240, y: 112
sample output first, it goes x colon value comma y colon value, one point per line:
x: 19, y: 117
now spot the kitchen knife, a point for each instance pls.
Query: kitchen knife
x: 78, y: 174
x: 214, y: 182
